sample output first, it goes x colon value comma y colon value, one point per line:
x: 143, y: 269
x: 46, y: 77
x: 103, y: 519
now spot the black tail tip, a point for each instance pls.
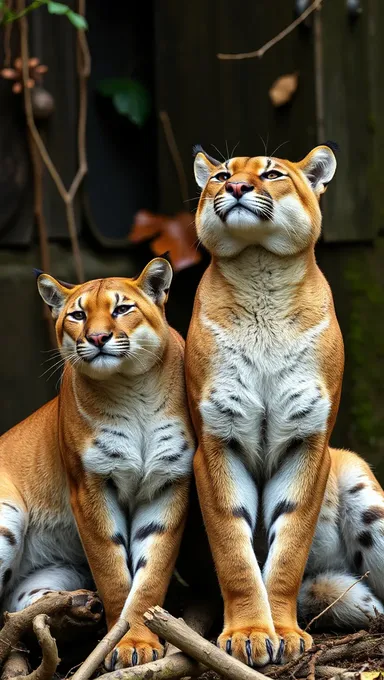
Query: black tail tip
x: 332, y: 145
x: 37, y: 272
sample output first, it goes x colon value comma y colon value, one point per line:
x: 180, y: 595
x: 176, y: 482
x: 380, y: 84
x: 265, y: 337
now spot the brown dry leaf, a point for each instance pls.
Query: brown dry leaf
x: 283, y: 89
x: 174, y: 234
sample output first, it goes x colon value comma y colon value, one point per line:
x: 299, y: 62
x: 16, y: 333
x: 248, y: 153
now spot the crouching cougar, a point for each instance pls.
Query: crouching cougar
x: 100, y: 474
x: 264, y: 365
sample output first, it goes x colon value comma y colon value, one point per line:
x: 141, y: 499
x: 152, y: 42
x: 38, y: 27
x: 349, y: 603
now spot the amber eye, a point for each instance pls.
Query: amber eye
x: 78, y: 315
x: 222, y: 176
x: 121, y: 309
x: 272, y: 174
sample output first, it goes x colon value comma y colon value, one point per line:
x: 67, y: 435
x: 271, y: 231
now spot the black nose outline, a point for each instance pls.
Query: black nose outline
x: 99, y: 339
x: 238, y: 189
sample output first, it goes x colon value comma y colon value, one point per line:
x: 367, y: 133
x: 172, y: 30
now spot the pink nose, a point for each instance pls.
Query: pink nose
x: 99, y: 339
x: 238, y: 189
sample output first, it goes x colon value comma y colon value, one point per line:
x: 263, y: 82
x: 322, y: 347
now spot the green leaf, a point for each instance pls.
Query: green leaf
x: 77, y: 20
x: 130, y: 98
x: 57, y: 8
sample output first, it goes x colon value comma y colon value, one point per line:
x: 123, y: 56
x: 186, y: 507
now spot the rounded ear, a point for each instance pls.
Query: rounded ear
x: 319, y: 166
x: 53, y: 293
x: 204, y: 166
x: 155, y: 280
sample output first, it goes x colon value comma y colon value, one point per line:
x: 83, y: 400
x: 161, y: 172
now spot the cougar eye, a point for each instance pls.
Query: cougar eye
x: 121, y: 309
x: 272, y: 174
x: 222, y: 176
x: 78, y: 315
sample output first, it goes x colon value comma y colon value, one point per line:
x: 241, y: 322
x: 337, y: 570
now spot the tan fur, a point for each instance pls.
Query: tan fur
x: 45, y: 461
x: 261, y: 261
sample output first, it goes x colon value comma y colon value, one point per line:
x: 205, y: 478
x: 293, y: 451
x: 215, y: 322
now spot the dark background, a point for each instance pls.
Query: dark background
x: 171, y: 47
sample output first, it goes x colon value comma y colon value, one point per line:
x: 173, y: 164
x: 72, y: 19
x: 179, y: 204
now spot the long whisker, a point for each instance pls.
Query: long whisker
x: 234, y: 149
x: 215, y: 147
x: 279, y: 147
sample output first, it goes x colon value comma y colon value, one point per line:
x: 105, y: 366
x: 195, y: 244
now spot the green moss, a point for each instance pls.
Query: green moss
x: 365, y: 350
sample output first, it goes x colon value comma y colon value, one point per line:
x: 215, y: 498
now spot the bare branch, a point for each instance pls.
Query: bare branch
x: 93, y: 661
x: 83, y: 72
x: 183, y: 637
x: 79, y: 603
x: 262, y: 50
x: 50, y: 660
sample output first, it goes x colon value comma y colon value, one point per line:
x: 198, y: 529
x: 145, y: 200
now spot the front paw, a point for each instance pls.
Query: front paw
x: 134, y: 650
x: 296, y: 642
x: 252, y: 645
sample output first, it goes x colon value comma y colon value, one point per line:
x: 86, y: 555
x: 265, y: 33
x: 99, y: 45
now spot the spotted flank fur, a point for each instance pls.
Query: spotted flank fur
x: 349, y: 541
x: 96, y: 481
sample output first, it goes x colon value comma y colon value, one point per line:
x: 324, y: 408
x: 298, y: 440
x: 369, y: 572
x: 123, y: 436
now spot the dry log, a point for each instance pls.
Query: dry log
x: 78, y: 604
x: 328, y: 672
x: 93, y: 661
x: 183, y: 637
x: 50, y: 660
x: 172, y: 667
x: 15, y: 665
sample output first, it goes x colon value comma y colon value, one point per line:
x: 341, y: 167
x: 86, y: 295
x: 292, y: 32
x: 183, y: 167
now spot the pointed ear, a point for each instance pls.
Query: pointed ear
x: 204, y: 165
x: 319, y: 167
x: 155, y: 280
x: 53, y: 293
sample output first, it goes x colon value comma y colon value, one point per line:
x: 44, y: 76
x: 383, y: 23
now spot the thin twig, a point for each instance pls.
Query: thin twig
x: 337, y: 600
x: 175, y: 153
x: 93, y: 661
x: 83, y: 72
x: 262, y: 50
x: 38, y: 208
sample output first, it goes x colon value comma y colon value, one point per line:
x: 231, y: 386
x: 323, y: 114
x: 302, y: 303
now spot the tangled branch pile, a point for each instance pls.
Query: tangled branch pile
x: 70, y: 616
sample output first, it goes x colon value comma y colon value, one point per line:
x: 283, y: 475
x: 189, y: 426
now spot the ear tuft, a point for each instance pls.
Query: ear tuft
x: 37, y: 272
x: 53, y: 293
x: 332, y: 145
x: 155, y: 280
x: 319, y: 166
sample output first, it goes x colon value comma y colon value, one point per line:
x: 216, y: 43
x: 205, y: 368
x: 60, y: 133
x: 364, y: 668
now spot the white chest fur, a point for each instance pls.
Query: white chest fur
x: 138, y: 446
x: 266, y: 391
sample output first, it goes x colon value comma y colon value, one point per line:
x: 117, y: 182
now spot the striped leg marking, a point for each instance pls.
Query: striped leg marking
x: 156, y: 531
x: 103, y: 530
x: 229, y: 499
x: 292, y: 500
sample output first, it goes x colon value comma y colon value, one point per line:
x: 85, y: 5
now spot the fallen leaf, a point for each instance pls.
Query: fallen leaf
x: 283, y: 89
x: 175, y: 234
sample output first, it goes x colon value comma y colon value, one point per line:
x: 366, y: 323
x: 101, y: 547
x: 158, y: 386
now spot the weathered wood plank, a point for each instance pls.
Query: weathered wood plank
x: 349, y: 206
x: 213, y: 102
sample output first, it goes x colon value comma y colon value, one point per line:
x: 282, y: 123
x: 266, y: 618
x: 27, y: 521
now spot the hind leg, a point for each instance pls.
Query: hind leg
x: 13, y: 525
x: 43, y: 581
x: 362, y: 501
x: 330, y: 572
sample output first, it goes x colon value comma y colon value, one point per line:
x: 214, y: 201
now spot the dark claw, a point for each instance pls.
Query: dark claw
x: 115, y: 656
x: 302, y: 646
x: 155, y: 655
x: 280, y: 652
x: 248, y: 649
x: 269, y: 647
x: 228, y: 647
x: 135, y: 658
